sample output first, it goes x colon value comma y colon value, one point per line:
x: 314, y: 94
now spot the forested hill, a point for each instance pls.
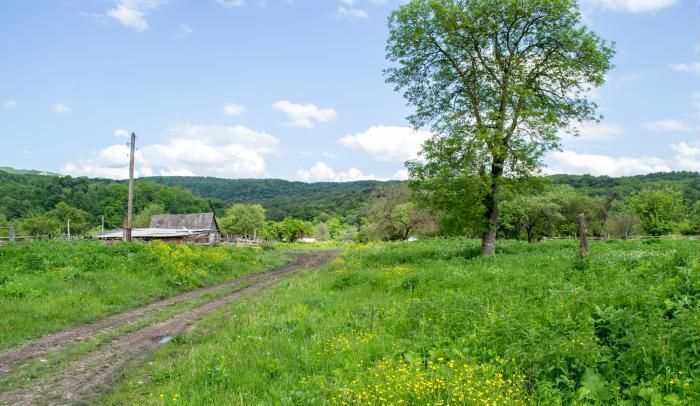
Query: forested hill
x: 282, y: 198
x: 24, y: 196
x: 687, y: 182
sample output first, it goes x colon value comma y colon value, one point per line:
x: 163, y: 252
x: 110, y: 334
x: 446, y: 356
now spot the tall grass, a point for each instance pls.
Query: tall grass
x: 432, y: 323
x: 47, y: 286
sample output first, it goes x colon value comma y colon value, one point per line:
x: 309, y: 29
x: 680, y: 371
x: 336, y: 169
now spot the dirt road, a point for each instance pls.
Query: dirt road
x: 82, y: 379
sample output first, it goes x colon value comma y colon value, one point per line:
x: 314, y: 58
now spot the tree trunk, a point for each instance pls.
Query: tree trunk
x: 488, y: 238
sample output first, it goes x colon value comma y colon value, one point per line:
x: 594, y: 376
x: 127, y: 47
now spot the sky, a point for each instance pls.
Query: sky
x: 294, y: 89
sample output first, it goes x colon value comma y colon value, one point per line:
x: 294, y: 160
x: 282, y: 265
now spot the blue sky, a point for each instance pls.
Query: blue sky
x: 294, y: 89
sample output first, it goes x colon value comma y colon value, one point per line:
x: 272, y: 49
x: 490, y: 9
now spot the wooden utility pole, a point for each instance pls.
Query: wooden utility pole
x: 127, y: 229
x: 583, y: 235
x: 68, y: 228
x: 103, y: 224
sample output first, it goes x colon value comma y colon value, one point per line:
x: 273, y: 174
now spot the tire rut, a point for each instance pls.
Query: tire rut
x: 83, y: 378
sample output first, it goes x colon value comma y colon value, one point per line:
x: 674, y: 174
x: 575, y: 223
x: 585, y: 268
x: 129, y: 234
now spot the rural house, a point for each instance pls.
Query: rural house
x: 177, y: 228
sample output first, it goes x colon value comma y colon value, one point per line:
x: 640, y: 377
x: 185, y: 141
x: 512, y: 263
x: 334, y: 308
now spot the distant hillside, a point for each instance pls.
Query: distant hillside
x: 282, y: 198
x: 26, y: 195
x: 7, y: 169
x: 686, y: 182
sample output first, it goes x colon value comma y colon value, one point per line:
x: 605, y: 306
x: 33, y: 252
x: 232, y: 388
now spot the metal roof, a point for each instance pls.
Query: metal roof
x: 197, y: 221
x: 152, y: 233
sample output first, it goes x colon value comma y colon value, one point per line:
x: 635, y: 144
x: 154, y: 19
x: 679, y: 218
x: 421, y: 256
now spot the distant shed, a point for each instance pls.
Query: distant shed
x: 198, y: 228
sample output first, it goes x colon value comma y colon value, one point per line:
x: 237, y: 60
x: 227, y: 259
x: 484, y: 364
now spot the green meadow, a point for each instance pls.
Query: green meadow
x: 431, y: 322
x: 46, y: 286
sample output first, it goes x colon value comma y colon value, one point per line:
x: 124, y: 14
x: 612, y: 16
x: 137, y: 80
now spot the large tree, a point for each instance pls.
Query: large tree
x: 496, y: 80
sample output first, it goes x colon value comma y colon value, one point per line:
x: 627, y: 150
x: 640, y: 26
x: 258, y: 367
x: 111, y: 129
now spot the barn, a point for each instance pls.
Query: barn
x: 200, y: 228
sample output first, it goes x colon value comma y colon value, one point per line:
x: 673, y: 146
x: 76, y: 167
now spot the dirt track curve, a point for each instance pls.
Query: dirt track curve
x: 83, y: 378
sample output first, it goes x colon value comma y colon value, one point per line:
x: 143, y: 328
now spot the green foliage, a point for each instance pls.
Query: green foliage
x: 431, y: 322
x: 535, y: 216
x: 282, y: 198
x: 391, y: 215
x: 496, y: 81
x: 46, y: 286
x: 292, y: 229
x: 143, y: 218
x: 659, y: 210
x: 243, y: 220
x: 26, y: 196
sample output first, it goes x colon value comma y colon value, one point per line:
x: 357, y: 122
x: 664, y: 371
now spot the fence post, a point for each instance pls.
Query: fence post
x: 12, y: 233
x: 583, y: 233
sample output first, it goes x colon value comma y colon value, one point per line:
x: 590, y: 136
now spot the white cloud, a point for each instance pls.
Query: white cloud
x: 633, y: 6
x: 10, y: 104
x: 594, y: 132
x: 687, y: 156
x: 184, y: 31
x: 202, y: 150
x: 571, y: 162
x: 693, y: 67
x: 304, y: 115
x: 233, y: 109
x: 401, y: 174
x: 60, y: 108
x: 231, y: 3
x: 120, y: 132
x: 351, y: 12
x: 132, y: 13
x: 321, y: 172
x: 111, y: 162
x: 670, y: 125
x: 387, y: 143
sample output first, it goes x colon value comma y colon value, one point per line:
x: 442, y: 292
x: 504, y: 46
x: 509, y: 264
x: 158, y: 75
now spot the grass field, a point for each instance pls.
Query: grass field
x: 47, y: 286
x: 432, y: 323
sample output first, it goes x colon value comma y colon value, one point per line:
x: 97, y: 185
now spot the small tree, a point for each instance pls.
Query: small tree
x: 497, y: 80
x: 391, y: 215
x: 295, y: 229
x: 622, y: 225
x: 143, y: 218
x: 660, y: 210
x: 243, y: 220
x: 534, y: 215
x: 63, y: 212
x: 322, y: 232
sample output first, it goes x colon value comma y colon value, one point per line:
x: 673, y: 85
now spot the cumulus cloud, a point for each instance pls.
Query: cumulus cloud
x: 693, y: 67
x: 304, y: 115
x: 202, y: 150
x: 670, y: 125
x: 321, y: 172
x: 594, y: 132
x: 60, y: 108
x: 571, y: 162
x: 633, y: 6
x: 687, y: 156
x: 351, y: 12
x: 231, y: 3
x: 184, y: 31
x: 233, y: 109
x: 132, y: 13
x: 387, y: 143
x: 10, y: 104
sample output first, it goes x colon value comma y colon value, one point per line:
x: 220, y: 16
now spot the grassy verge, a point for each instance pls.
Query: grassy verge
x: 430, y: 323
x: 48, y: 286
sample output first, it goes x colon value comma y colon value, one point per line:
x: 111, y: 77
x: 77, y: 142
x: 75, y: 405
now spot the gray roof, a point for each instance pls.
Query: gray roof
x: 150, y: 233
x: 198, y: 221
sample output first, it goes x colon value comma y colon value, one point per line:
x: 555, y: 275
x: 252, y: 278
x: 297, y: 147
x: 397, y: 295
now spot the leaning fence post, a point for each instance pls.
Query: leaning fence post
x: 12, y: 234
x: 583, y: 234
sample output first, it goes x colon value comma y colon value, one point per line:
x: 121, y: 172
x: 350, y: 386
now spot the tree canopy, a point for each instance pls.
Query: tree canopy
x: 496, y: 80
